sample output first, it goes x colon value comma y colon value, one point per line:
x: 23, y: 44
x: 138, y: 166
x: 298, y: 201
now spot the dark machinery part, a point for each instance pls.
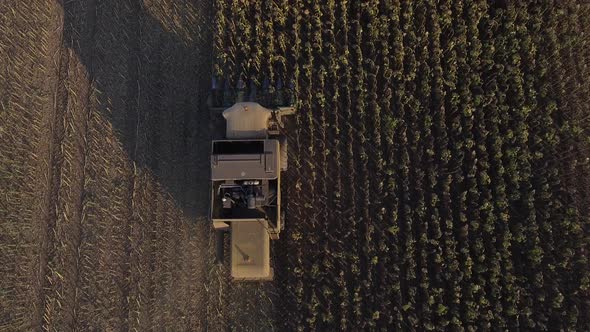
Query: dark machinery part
x: 247, y: 194
x: 251, y: 201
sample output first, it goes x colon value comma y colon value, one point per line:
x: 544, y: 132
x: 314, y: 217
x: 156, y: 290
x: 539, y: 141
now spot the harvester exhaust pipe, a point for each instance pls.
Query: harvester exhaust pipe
x: 219, y: 236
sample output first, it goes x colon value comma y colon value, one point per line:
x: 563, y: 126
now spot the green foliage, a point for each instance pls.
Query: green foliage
x: 452, y: 133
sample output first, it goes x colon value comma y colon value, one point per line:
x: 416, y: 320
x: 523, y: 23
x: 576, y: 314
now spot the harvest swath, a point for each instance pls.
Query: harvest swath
x: 104, y: 141
x: 441, y: 173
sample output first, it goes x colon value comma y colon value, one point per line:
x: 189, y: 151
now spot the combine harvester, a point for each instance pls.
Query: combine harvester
x: 246, y: 171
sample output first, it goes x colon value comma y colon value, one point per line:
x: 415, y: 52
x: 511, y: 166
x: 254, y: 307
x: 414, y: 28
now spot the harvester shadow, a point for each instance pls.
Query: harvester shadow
x: 151, y: 67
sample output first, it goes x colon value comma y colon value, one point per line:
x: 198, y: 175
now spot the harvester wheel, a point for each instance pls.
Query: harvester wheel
x: 219, y: 242
x: 283, y: 152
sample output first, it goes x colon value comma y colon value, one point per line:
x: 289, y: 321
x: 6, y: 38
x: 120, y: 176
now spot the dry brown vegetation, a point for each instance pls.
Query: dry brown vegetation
x: 104, y: 169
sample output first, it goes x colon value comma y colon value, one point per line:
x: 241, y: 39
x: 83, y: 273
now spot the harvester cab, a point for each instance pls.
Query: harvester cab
x: 246, y: 171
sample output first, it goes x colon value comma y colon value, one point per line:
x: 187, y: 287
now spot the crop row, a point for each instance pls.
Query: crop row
x: 434, y: 157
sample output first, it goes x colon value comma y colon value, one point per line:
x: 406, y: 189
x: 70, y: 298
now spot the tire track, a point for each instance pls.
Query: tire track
x: 54, y: 122
x: 70, y: 210
x: 27, y: 42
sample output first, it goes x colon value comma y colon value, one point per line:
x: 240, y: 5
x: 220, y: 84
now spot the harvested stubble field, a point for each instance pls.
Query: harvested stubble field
x: 104, y: 170
x: 438, y: 177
